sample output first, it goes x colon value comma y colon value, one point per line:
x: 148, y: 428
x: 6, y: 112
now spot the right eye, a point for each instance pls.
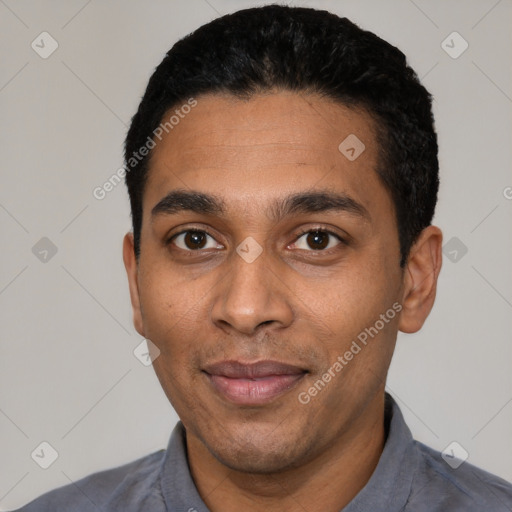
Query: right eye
x: 193, y: 240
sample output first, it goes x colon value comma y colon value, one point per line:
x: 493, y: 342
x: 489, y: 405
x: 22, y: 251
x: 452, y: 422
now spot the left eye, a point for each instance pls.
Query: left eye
x: 317, y: 240
x: 193, y: 240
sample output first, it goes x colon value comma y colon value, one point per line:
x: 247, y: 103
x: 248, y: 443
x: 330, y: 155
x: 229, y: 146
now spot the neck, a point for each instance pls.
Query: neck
x: 328, y: 482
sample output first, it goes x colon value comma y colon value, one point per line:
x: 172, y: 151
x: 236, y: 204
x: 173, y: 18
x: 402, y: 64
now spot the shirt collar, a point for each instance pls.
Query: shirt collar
x: 387, y: 490
x: 390, y: 484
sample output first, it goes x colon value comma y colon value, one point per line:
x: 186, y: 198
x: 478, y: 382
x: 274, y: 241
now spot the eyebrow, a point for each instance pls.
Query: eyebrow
x: 178, y: 201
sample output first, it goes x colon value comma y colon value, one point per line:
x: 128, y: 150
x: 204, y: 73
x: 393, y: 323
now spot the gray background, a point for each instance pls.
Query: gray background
x: 68, y: 375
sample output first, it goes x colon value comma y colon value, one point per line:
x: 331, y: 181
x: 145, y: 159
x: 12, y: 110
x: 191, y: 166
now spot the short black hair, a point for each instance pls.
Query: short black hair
x: 298, y: 49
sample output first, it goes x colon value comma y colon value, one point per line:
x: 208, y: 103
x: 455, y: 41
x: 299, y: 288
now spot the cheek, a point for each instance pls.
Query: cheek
x: 349, y: 309
x: 359, y: 354
x: 353, y: 300
x: 170, y: 312
x: 168, y: 308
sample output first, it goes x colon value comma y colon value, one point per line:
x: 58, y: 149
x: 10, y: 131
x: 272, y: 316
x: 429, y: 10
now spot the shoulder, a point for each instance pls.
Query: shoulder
x: 122, y: 488
x: 457, y: 487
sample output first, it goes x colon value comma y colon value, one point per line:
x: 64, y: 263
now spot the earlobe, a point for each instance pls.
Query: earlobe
x: 132, y: 273
x: 420, y: 280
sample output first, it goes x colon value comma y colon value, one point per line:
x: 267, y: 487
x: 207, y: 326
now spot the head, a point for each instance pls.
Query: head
x: 282, y: 172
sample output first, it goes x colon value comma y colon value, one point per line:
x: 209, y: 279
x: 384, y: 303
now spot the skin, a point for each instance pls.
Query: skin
x: 294, y: 303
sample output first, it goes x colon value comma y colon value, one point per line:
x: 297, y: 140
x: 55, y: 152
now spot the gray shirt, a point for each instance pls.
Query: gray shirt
x: 409, y: 477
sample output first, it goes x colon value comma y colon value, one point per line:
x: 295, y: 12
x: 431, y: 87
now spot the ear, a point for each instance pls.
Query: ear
x: 420, y: 279
x: 132, y: 272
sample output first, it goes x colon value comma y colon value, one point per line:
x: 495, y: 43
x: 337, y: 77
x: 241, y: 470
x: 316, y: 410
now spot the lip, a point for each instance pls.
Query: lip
x: 255, y: 383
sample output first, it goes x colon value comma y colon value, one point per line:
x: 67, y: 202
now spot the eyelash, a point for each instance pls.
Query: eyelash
x: 298, y: 236
x: 324, y: 232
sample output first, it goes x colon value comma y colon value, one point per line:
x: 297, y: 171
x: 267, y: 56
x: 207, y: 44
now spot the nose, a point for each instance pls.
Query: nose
x: 251, y: 295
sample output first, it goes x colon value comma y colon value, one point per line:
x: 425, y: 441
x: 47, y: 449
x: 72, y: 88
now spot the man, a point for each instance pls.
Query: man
x: 282, y: 171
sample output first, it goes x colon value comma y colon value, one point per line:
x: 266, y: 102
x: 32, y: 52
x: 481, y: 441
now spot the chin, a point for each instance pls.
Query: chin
x: 259, y: 454
x: 255, y: 462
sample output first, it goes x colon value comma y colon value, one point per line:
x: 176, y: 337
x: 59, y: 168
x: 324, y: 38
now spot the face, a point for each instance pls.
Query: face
x: 253, y: 293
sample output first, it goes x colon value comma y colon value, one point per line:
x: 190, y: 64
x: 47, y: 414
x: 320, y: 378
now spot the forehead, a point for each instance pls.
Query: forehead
x: 251, y: 151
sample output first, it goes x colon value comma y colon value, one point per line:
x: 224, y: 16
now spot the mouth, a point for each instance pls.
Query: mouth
x: 253, y: 383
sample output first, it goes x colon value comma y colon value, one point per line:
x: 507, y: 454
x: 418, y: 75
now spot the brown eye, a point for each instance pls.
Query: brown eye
x: 317, y: 240
x: 193, y: 240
